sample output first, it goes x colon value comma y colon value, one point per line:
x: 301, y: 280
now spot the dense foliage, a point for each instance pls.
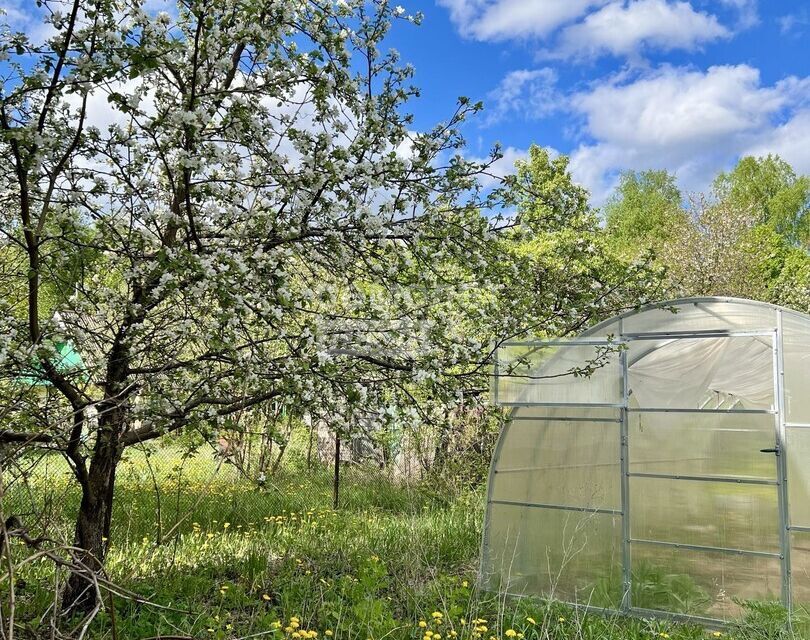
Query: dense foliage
x: 747, y: 238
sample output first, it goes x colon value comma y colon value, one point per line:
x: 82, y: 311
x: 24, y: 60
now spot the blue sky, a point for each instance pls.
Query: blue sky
x: 687, y: 86
x: 683, y: 85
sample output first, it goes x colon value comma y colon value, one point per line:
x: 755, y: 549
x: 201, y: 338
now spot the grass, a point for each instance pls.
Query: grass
x: 393, y: 562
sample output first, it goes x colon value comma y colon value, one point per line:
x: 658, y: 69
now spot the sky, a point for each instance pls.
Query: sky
x: 688, y: 86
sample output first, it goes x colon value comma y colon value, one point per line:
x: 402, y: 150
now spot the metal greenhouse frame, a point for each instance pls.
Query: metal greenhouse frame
x: 644, y: 465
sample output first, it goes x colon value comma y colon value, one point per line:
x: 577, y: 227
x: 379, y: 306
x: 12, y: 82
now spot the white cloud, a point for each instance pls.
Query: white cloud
x: 747, y: 13
x: 794, y: 23
x: 624, y: 29
x: 524, y: 93
x: 691, y: 122
x: 588, y: 28
x: 788, y: 140
x: 24, y: 16
x: 505, y: 19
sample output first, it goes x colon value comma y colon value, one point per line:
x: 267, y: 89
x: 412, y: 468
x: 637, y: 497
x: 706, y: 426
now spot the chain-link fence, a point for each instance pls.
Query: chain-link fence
x: 241, y: 478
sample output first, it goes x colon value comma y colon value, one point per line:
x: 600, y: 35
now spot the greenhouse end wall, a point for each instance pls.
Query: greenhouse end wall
x: 644, y: 466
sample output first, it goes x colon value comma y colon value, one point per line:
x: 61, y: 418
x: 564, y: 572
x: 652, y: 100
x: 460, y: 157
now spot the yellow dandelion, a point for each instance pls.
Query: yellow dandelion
x: 328, y: 633
x: 511, y: 633
x: 531, y: 620
x: 422, y: 624
x: 265, y: 597
x: 465, y: 584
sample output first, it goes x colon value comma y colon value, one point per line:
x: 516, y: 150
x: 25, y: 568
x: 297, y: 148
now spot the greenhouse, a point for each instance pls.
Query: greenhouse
x: 658, y: 464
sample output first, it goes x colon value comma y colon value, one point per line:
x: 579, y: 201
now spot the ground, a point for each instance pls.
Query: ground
x: 231, y: 560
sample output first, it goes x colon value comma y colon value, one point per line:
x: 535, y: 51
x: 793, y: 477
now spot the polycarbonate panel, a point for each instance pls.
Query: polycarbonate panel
x: 705, y: 444
x: 712, y: 514
x: 796, y: 354
x: 798, y: 473
x: 702, y: 373
x: 699, y: 582
x: 567, y: 555
x: 559, y: 462
x: 702, y: 316
x: 800, y: 570
x: 568, y: 374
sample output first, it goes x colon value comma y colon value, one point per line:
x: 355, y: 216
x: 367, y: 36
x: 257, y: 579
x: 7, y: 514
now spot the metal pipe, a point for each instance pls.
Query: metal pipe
x: 573, y: 342
x: 799, y: 528
x: 595, y: 405
x: 624, y: 460
x: 684, y: 410
x: 713, y: 623
x: 562, y: 507
x: 701, y: 547
x: 781, y: 461
x: 566, y: 419
x: 710, y: 333
x: 698, y: 478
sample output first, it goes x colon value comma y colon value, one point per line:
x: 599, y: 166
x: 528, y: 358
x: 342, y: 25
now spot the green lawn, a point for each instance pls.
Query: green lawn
x: 232, y: 561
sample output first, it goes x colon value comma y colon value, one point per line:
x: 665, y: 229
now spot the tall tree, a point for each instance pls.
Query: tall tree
x: 770, y: 190
x: 645, y: 210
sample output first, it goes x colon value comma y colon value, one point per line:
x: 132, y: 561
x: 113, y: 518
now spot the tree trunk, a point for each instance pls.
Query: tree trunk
x: 95, y: 512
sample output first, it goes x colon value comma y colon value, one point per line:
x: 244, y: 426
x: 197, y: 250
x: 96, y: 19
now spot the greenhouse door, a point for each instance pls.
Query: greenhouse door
x: 705, y: 512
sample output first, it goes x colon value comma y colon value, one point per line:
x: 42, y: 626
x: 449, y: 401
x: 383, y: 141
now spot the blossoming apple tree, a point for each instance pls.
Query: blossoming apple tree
x: 226, y: 204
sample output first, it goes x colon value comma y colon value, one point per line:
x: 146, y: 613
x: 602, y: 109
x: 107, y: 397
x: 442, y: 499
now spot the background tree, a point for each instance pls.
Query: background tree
x: 645, y: 210
x: 773, y: 193
x: 746, y: 239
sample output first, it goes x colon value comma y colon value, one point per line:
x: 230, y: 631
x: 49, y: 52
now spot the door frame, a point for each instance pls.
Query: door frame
x: 780, y: 448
